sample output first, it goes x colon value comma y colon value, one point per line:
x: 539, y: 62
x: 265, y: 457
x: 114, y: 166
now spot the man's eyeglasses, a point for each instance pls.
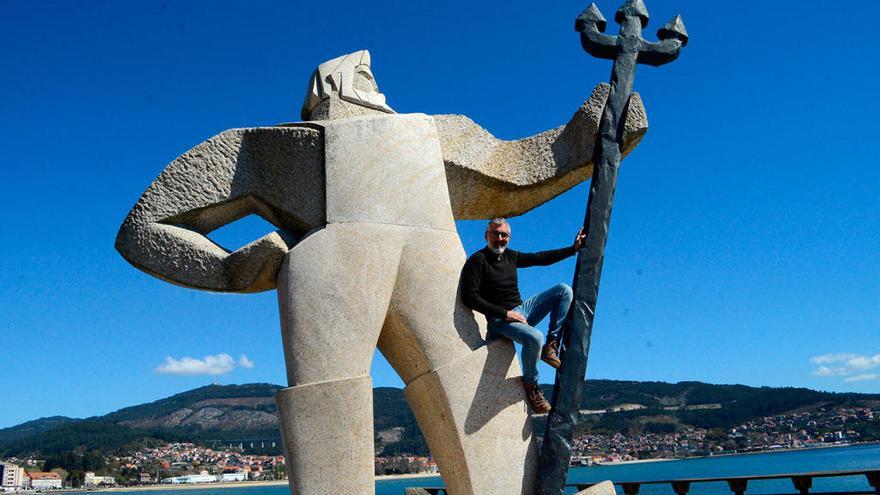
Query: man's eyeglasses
x: 500, y: 235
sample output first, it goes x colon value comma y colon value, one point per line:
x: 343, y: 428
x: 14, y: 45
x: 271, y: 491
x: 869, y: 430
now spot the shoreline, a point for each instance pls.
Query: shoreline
x: 774, y: 451
x: 635, y: 461
x: 798, y: 449
x: 253, y: 484
x: 189, y: 486
x: 216, y: 485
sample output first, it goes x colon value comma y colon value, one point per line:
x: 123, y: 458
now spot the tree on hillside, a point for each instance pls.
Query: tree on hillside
x: 76, y: 479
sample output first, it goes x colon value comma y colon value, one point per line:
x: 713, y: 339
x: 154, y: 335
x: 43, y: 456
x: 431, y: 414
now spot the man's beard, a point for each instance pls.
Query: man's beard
x: 496, y: 250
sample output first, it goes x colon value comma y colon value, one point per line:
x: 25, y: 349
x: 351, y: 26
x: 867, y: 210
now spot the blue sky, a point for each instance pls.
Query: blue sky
x: 744, y: 243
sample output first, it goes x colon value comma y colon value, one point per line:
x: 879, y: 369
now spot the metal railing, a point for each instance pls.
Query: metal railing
x: 802, y: 483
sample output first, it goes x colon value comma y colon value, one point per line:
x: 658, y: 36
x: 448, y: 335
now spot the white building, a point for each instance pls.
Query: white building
x: 236, y: 476
x: 91, y: 480
x: 13, y: 477
x: 45, y: 481
x: 190, y: 478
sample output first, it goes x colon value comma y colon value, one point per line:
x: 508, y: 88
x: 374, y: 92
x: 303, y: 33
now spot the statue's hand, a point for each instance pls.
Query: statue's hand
x: 256, y: 265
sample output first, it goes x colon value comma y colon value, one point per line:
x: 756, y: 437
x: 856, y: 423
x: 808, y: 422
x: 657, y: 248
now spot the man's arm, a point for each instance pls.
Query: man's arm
x: 490, y: 177
x: 471, y: 278
x: 544, y: 258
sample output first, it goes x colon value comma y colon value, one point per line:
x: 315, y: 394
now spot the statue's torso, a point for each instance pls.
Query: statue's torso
x: 385, y: 169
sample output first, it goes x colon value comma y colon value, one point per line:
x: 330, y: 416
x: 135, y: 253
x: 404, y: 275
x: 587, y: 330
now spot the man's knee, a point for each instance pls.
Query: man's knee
x: 533, y: 338
x: 564, y: 290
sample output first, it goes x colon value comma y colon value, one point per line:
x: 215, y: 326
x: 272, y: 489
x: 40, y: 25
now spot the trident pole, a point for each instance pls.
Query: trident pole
x: 627, y: 49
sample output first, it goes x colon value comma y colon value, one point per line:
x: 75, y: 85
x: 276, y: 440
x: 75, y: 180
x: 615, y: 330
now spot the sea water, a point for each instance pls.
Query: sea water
x: 797, y: 461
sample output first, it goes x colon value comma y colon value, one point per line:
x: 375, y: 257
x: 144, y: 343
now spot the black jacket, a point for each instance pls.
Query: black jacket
x: 489, y: 283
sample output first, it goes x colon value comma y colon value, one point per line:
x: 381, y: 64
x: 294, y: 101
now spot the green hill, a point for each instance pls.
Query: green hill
x: 216, y: 393
x: 246, y: 414
x: 34, y: 427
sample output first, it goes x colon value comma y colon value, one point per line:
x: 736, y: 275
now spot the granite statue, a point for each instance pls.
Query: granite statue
x: 367, y: 256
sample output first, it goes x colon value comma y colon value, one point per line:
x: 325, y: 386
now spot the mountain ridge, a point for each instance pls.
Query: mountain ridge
x: 247, y: 413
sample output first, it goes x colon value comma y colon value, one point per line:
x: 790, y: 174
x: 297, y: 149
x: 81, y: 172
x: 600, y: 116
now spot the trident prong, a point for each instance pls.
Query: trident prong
x: 590, y: 15
x: 627, y: 49
x: 673, y: 36
x: 591, y: 24
x: 674, y: 29
x: 632, y: 8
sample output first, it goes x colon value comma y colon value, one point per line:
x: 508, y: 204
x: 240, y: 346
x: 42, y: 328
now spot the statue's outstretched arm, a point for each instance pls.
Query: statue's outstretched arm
x: 273, y: 172
x: 490, y: 177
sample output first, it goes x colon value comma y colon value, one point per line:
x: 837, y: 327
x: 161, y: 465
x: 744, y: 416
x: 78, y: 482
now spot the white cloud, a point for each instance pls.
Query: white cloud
x: 862, y: 378
x: 847, y: 364
x: 864, y: 362
x: 832, y: 358
x: 209, y: 365
x: 244, y: 362
x: 823, y: 371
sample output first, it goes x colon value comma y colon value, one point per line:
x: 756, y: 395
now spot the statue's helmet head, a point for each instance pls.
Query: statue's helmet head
x: 348, y: 78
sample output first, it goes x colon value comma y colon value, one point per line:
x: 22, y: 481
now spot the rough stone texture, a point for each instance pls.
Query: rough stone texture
x: 399, y: 284
x: 490, y: 177
x: 367, y: 255
x: 636, y: 124
x: 473, y: 414
x: 328, y: 424
x: 394, y: 286
x: 333, y: 107
x: 330, y: 329
x: 363, y: 185
x: 427, y: 325
x: 603, y: 488
x: 276, y: 173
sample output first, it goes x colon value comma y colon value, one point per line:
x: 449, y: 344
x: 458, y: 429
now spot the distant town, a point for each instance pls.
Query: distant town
x: 175, y: 464
x: 819, y: 428
x: 189, y: 463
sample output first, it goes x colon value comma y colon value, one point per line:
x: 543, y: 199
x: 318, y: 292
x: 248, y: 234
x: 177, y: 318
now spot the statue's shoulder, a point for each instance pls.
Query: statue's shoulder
x: 373, y: 117
x: 459, y: 132
x: 302, y: 133
x: 371, y: 126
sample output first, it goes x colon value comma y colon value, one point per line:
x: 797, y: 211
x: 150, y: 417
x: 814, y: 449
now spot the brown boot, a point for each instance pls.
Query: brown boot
x: 549, y: 354
x: 536, y: 399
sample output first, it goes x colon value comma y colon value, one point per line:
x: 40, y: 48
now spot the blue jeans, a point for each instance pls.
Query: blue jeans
x: 555, y: 302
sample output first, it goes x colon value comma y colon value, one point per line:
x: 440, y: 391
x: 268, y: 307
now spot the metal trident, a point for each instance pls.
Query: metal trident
x: 627, y: 49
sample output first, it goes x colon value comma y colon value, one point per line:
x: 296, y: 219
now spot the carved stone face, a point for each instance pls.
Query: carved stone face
x: 364, y: 90
x: 348, y: 78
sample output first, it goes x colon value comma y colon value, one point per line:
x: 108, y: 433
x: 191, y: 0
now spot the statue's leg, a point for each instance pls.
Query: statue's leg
x: 467, y: 396
x: 334, y: 288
